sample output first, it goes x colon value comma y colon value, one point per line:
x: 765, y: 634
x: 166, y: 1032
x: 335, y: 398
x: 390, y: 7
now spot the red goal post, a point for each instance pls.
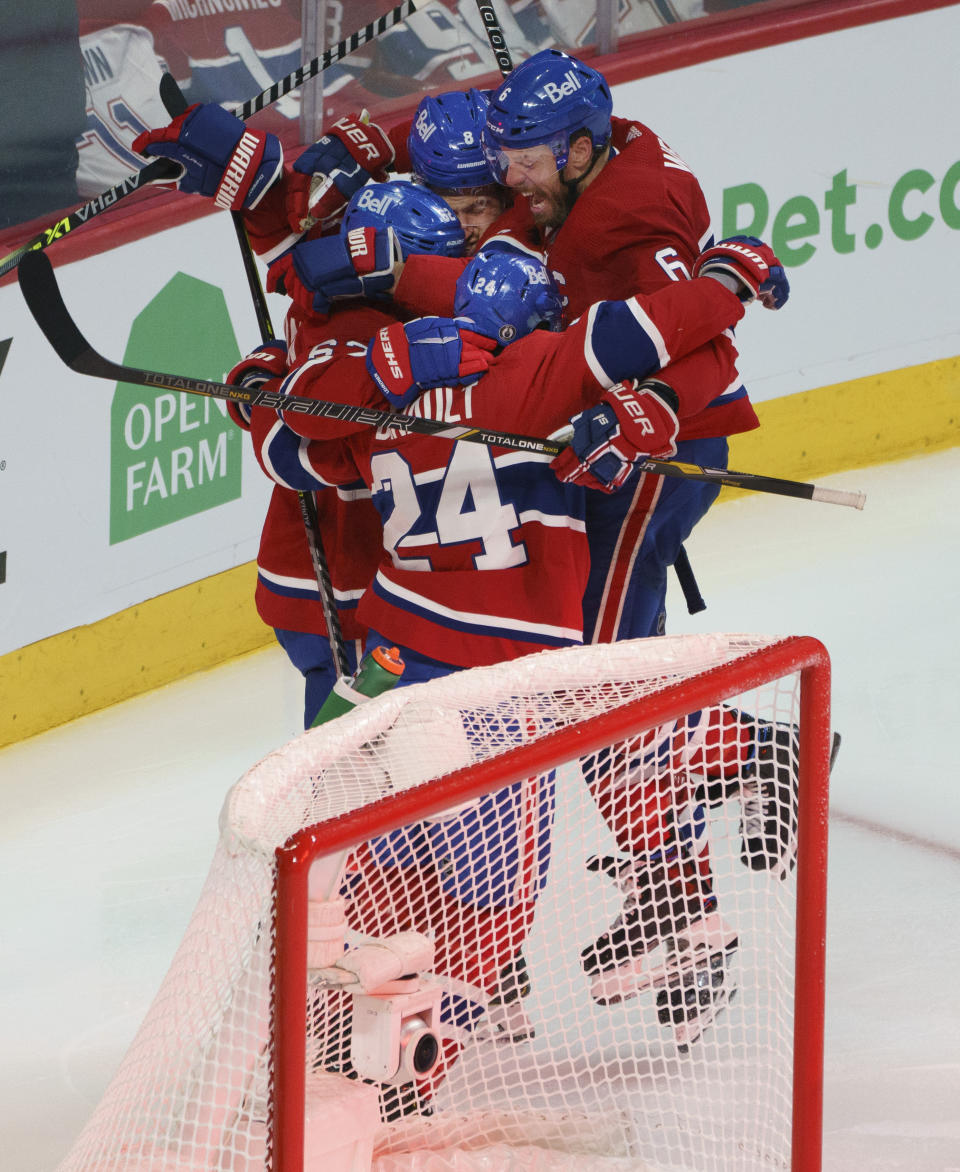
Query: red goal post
x: 224, y: 1072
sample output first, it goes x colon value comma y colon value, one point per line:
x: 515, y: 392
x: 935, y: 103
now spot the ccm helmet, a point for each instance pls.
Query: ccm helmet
x: 547, y: 100
x: 506, y: 295
x: 445, y: 141
x: 421, y: 220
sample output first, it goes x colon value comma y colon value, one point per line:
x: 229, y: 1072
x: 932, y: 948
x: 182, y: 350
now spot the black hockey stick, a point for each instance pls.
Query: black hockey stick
x: 166, y: 171
x: 498, y: 42
x: 175, y: 103
x: 330, y: 57
x: 42, y: 295
x: 159, y: 171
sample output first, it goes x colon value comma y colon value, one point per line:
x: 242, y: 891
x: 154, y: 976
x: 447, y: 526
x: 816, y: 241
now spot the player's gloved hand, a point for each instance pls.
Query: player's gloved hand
x: 758, y: 273
x: 328, y: 173
x: 364, y: 262
x: 266, y: 363
x: 406, y: 358
x: 220, y: 155
x: 630, y: 423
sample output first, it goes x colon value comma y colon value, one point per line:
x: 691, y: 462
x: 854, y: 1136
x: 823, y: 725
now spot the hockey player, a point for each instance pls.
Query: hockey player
x: 287, y: 592
x: 550, y: 138
x: 612, y: 222
x: 484, y: 552
x: 446, y: 155
x: 440, y: 146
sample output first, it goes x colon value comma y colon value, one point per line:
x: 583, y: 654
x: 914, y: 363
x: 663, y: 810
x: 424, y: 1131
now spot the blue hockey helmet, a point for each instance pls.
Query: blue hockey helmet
x: 546, y: 100
x: 421, y: 220
x: 506, y: 295
x: 445, y: 141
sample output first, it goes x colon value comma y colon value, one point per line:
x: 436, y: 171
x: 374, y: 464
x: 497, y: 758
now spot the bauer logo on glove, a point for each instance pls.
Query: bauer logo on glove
x: 630, y: 424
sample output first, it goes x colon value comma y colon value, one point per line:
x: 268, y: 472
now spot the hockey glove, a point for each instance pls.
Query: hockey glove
x: 269, y: 362
x: 630, y: 423
x: 363, y: 262
x: 328, y: 173
x: 405, y: 359
x: 220, y: 156
x: 752, y: 264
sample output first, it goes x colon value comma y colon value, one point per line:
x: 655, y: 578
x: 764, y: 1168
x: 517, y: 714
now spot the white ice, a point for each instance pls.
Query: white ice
x: 108, y: 824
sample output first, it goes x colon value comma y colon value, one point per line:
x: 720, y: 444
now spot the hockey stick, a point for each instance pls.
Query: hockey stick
x: 42, y: 295
x: 175, y: 103
x: 159, y: 171
x: 165, y: 170
x: 498, y: 42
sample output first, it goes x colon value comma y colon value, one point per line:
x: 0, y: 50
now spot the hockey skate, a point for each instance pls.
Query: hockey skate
x: 769, y: 800
x: 506, y: 1019
x: 697, y: 985
x: 669, y: 937
x: 768, y: 792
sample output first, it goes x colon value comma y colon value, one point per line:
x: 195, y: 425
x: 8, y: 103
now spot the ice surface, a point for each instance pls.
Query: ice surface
x: 108, y: 824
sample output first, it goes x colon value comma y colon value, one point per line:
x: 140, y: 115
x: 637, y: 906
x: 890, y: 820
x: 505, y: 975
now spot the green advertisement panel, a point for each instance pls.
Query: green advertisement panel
x: 173, y: 455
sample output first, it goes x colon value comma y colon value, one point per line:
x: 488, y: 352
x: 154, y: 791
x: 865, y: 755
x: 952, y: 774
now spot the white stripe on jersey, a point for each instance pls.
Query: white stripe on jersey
x: 588, y: 352
x: 265, y: 456
x: 631, y: 556
x: 646, y: 324
x: 308, y: 584
x: 551, y: 520
x: 496, y: 622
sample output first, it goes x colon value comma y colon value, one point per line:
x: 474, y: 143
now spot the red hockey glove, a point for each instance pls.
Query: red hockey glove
x: 328, y: 173
x: 630, y: 423
x: 269, y: 362
x: 363, y: 262
x: 405, y: 359
x: 751, y: 263
x: 221, y: 156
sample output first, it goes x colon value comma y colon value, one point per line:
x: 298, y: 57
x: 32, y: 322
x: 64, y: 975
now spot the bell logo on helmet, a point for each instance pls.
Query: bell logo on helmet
x: 507, y: 334
x: 379, y: 204
x: 557, y: 91
x: 424, y: 126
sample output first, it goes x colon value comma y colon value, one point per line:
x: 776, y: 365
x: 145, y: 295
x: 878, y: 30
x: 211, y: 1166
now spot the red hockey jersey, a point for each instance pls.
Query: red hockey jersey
x: 484, y: 550
x: 636, y: 228
x: 287, y: 595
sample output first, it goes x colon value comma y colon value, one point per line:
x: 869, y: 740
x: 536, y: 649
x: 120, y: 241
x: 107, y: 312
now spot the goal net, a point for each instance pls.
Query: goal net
x: 567, y: 911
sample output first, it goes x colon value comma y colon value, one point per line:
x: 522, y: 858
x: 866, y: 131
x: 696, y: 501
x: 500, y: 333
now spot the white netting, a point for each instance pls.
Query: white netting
x: 542, y: 1056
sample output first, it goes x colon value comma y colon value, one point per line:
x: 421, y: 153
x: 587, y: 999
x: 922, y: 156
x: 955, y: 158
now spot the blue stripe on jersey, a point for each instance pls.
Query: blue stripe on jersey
x: 305, y: 588
x: 622, y: 342
x: 492, y: 626
x: 284, y: 456
x: 728, y: 397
